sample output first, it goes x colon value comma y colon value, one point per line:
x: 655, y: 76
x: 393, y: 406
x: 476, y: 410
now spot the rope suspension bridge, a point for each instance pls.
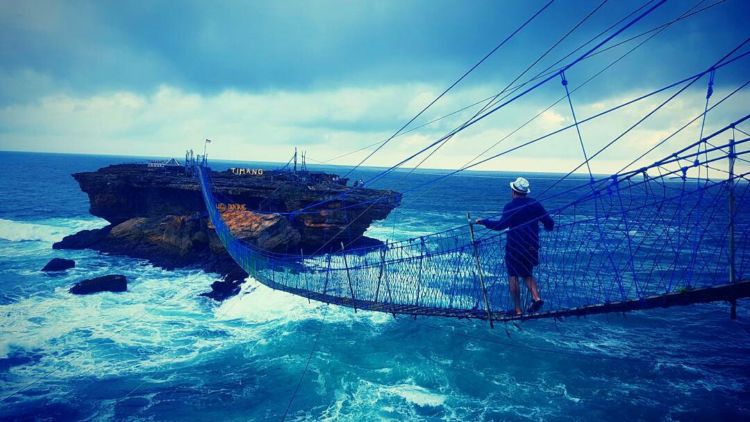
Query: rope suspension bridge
x: 660, y: 235
x: 654, y: 242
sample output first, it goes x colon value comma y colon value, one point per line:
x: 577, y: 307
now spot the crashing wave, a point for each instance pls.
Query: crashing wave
x: 51, y: 230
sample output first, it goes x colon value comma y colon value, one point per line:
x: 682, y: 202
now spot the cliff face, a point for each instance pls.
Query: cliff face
x: 159, y: 213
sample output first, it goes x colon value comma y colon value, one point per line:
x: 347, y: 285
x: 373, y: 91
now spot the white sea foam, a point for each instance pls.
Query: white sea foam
x: 417, y: 395
x: 154, y: 324
x: 16, y: 231
x: 363, y: 399
x: 51, y: 230
x: 259, y: 303
x: 563, y: 390
x: 401, y: 227
x: 159, y: 321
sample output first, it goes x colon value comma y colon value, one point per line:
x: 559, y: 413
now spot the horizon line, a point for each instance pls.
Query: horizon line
x: 283, y: 163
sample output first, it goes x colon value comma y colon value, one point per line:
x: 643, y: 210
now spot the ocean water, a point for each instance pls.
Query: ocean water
x: 161, y: 352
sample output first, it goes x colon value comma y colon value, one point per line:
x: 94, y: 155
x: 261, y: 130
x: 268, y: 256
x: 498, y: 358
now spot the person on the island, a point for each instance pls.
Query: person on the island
x: 522, y: 216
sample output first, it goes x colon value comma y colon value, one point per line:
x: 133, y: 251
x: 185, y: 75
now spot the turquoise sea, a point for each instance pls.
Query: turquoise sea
x: 161, y: 352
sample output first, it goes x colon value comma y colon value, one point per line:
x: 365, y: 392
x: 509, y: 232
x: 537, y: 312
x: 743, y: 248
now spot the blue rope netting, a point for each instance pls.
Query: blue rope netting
x: 627, y: 238
x: 647, y: 236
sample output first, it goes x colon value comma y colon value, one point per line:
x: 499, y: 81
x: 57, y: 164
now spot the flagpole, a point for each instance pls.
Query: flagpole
x: 208, y: 141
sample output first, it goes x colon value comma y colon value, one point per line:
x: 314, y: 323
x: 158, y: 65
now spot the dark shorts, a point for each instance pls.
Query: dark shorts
x: 519, y: 266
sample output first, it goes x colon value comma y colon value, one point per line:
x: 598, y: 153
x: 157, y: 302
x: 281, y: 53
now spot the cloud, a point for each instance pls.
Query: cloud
x: 267, y: 126
x: 90, y: 47
x: 551, y: 118
x: 332, y: 77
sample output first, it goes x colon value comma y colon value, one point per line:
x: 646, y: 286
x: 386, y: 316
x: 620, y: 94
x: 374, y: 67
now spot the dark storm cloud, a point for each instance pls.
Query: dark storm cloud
x: 299, y: 45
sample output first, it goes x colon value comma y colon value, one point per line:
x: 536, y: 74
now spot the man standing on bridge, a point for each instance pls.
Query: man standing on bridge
x: 522, y: 216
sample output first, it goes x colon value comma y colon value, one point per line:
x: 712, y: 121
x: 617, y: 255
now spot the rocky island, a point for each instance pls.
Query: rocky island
x: 158, y: 213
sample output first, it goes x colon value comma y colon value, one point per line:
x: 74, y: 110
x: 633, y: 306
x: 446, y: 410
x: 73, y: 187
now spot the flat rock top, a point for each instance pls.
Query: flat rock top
x: 307, y: 186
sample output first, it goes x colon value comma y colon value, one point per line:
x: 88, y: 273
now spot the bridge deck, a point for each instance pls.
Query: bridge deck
x: 724, y: 292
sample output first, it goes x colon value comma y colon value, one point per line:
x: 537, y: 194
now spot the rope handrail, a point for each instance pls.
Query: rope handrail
x: 605, y: 180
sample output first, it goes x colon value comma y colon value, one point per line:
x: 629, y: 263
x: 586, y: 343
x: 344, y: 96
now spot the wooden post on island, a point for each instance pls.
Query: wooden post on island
x: 731, y: 250
x: 479, y: 270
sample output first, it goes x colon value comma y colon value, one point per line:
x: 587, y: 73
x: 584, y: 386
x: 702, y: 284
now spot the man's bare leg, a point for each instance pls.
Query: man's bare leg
x: 515, y: 293
x: 531, y: 284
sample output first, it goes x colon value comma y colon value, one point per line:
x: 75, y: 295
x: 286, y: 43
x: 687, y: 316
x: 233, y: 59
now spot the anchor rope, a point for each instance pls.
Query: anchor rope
x: 690, y: 79
x: 546, y: 72
x: 503, y: 103
x: 462, y: 77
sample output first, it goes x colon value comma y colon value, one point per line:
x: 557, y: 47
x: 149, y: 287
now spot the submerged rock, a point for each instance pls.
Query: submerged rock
x: 107, y: 283
x: 83, y: 239
x: 230, y: 286
x: 238, y: 275
x: 59, y: 264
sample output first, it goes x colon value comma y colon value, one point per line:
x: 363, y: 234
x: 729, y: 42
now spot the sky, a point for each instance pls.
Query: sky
x: 331, y: 77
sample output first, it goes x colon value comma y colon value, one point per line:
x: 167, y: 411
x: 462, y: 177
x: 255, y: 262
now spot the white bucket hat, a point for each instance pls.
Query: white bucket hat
x: 520, y: 185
